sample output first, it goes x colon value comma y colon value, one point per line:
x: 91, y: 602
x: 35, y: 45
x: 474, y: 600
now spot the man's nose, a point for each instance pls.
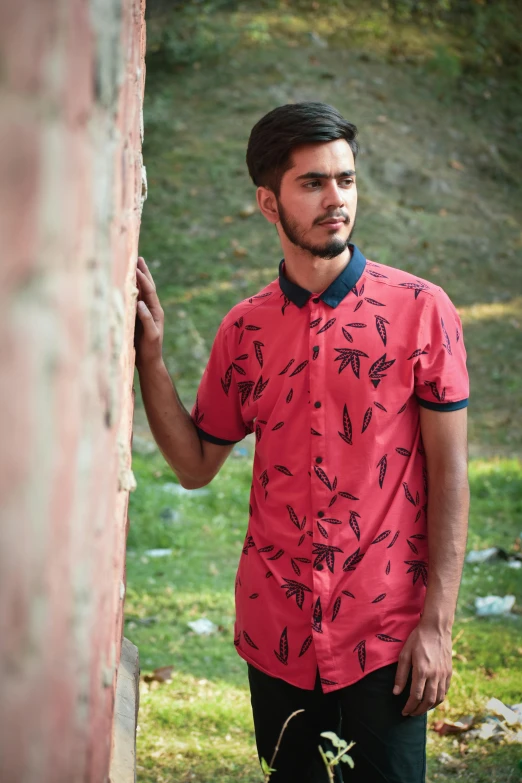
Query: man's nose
x: 334, y: 196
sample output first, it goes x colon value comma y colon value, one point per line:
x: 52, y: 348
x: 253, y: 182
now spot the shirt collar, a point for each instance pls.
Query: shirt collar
x: 338, y: 288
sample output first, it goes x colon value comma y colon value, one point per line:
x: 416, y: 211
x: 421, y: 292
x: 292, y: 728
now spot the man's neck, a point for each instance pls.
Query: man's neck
x: 311, y: 272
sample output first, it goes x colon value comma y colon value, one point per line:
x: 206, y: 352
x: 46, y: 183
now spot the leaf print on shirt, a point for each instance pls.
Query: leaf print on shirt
x: 383, y: 465
x: 225, y: 383
x: 306, y: 645
x: 299, y: 368
x: 425, y: 479
x: 295, y: 519
x: 282, y: 655
x: 289, y: 396
x: 323, y: 531
x: 412, y: 547
x: 321, y: 475
x: 381, y: 329
x: 295, y: 588
x: 375, y: 274
x: 238, y: 369
x: 317, y: 617
x: 367, y: 419
x: 374, y: 303
x: 361, y: 651
x: 248, y: 545
x: 347, y: 335
x: 354, y: 524
x: 249, y: 641
x: 418, y: 352
x: 239, y: 322
x: 346, y: 434
x: 447, y: 344
x: 417, y: 287
x: 286, y: 302
x: 326, y: 553
x: 379, y: 598
x: 278, y: 426
x: 287, y: 367
x: 378, y: 369
x: 353, y: 560
x: 260, y: 387
x: 268, y: 548
x: 336, y: 607
x: 198, y: 418
x: 277, y: 555
x: 381, y: 407
x: 252, y: 328
x: 457, y: 335
x: 326, y: 326
x: 358, y: 306
x: 419, y: 569
x: 347, y: 592
x: 348, y: 495
x: 408, y: 493
x: 381, y: 537
x: 435, y: 391
x: 403, y: 452
x: 385, y: 638
x: 394, y: 539
x: 263, y: 478
x: 333, y: 521
x: 388, y: 567
x: 350, y: 356
x: 316, y: 322
x: 282, y: 469
x: 245, y: 390
x: 258, y: 346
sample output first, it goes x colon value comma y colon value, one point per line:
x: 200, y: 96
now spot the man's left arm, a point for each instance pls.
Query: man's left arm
x: 428, y: 648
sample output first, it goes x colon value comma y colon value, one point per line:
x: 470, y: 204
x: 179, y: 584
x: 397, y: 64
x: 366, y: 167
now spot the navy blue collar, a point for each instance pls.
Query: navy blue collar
x: 336, y: 291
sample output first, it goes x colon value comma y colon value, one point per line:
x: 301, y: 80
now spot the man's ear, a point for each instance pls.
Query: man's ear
x: 267, y: 203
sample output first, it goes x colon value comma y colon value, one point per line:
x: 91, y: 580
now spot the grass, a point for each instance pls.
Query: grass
x: 439, y: 196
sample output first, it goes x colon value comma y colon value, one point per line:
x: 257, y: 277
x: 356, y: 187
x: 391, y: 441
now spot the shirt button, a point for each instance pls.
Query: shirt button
x: 317, y: 404
x: 319, y: 567
x: 320, y: 514
x: 318, y: 460
x: 316, y: 299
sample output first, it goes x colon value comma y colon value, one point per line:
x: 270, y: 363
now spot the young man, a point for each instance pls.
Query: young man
x: 353, y: 377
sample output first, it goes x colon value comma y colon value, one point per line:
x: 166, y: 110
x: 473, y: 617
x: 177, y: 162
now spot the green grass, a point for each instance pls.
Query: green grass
x: 438, y: 196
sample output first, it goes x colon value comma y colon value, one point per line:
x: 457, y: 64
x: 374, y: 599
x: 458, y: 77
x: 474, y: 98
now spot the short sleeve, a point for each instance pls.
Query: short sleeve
x: 441, y: 376
x: 217, y: 410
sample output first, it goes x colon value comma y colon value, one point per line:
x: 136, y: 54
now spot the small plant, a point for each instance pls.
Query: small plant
x: 330, y: 759
x: 265, y: 766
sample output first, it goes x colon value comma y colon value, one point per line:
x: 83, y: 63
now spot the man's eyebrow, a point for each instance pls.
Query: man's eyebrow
x: 322, y: 175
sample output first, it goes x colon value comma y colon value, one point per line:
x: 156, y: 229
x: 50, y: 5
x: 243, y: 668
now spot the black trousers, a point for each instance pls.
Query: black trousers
x: 390, y: 748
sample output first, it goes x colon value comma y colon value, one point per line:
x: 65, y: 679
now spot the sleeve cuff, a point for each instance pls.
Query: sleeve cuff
x: 443, y: 406
x: 212, y: 438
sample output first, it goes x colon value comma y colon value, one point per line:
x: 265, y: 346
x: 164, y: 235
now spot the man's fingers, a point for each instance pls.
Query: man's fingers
x: 429, y: 698
x: 149, y: 326
x: 403, y: 670
x: 416, y: 692
x: 144, y: 269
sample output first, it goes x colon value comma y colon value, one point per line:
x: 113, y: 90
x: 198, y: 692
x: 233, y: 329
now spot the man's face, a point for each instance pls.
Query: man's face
x: 317, y: 201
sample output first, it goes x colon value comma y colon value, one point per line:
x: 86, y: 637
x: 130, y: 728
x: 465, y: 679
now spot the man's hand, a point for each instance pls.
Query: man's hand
x: 428, y: 650
x: 148, y: 339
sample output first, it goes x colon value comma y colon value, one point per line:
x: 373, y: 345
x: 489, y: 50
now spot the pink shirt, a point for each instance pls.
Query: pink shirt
x: 335, y: 561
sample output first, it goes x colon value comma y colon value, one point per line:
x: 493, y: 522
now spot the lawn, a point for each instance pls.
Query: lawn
x: 439, y: 196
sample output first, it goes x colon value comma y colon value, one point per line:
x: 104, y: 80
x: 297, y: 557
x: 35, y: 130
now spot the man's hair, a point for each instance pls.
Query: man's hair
x: 278, y: 133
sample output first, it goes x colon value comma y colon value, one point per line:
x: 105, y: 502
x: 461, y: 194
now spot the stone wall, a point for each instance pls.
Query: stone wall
x: 71, y: 191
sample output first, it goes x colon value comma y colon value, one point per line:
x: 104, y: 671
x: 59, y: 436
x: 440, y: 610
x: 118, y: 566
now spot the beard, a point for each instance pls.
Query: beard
x: 296, y: 235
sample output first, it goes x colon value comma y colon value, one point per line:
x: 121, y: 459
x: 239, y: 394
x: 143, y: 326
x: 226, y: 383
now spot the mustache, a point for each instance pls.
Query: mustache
x: 332, y: 216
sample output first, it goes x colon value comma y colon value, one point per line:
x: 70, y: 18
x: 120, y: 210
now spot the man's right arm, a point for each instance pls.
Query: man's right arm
x: 193, y: 460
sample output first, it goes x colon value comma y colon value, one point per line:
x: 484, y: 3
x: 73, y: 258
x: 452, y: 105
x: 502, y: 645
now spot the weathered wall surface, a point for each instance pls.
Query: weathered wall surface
x: 71, y: 189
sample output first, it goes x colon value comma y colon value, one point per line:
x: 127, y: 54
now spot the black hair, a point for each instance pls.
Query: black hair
x: 273, y: 139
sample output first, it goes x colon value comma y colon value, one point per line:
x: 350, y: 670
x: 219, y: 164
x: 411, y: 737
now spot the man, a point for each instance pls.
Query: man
x: 353, y: 377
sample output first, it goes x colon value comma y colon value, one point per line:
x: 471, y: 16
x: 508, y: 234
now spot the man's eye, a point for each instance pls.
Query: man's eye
x: 347, y: 182
x: 312, y: 184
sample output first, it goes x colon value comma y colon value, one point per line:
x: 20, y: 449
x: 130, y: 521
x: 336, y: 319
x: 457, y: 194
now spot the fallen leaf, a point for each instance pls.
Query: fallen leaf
x: 163, y: 674
x: 456, y: 164
x: 443, y: 727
